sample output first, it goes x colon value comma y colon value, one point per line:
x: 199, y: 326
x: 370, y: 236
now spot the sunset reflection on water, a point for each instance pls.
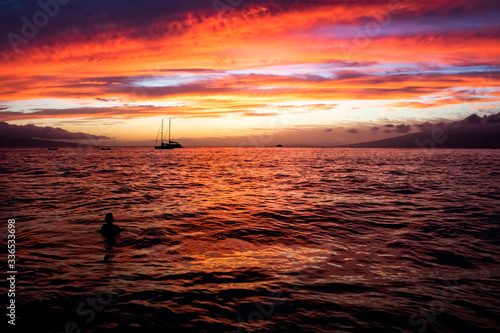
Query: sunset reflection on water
x: 329, y: 239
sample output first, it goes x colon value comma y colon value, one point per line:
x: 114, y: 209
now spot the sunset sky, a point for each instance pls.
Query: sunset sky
x: 241, y: 72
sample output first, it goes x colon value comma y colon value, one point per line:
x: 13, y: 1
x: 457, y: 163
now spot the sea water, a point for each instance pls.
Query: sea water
x: 254, y: 239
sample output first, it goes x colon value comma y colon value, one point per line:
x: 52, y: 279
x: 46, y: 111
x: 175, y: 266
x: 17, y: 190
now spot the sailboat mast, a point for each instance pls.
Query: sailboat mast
x: 162, y: 131
x: 169, y: 122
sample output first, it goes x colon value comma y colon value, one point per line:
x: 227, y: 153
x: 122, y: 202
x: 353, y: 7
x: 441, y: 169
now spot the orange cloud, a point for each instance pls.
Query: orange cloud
x: 138, y: 64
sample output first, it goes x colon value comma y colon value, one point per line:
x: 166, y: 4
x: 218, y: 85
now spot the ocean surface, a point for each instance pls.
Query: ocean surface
x: 254, y: 239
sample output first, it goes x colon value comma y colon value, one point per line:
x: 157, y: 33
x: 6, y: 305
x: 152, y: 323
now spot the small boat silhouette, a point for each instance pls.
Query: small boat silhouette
x: 105, y: 148
x: 279, y: 145
x: 55, y: 148
x: 166, y: 145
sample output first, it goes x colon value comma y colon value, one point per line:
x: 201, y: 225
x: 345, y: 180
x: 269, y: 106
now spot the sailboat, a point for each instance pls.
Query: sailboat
x: 166, y: 145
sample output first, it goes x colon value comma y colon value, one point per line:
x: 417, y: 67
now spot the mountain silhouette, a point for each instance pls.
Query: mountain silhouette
x: 426, y: 140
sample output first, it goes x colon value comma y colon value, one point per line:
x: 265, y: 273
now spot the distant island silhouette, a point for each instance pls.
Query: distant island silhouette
x: 455, y: 140
x: 36, y: 143
x: 42, y: 136
x: 424, y: 140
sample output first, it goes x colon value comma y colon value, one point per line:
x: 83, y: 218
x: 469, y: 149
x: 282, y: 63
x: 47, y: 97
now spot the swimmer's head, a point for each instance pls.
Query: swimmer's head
x: 109, y: 218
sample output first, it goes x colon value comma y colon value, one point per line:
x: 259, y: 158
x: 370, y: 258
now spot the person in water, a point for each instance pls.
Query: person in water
x: 109, y: 230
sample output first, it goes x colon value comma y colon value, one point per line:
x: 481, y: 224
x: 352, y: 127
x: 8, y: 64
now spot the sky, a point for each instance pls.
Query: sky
x: 241, y: 72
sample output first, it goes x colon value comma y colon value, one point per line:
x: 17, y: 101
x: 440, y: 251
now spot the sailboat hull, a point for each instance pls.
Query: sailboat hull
x: 171, y: 144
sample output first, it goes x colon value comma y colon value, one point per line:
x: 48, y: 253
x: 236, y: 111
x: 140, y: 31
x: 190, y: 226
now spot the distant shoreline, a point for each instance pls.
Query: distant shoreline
x: 409, y: 141
x: 246, y: 147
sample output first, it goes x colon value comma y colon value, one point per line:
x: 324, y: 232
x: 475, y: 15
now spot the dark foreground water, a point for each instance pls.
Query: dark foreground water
x: 254, y: 239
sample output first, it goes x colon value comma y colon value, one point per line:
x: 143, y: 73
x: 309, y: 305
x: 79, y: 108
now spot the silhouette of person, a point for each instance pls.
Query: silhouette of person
x: 109, y: 230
